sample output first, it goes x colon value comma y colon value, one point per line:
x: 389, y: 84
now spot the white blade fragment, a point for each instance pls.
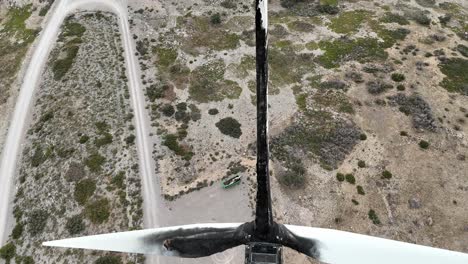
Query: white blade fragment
x: 148, y: 241
x: 339, y: 247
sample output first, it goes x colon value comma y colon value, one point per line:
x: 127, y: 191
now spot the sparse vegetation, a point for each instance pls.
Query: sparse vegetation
x: 456, y: 79
x: 208, y: 83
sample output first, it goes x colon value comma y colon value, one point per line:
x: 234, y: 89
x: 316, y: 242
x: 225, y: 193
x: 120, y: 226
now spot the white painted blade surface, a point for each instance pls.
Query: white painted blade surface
x: 148, y: 241
x: 339, y: 247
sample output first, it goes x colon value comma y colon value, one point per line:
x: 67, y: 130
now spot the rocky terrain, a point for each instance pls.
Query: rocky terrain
x: 368, y: 116
x: 79, y: 171
x: 367, y: 109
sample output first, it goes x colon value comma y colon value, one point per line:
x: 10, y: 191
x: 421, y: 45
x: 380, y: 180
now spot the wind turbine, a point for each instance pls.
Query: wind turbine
x: 263, y: 237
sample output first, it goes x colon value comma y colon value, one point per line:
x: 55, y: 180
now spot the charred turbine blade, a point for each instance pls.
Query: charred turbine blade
x: 264, y: 216
x: 167, y: 241
x: 206, y: 242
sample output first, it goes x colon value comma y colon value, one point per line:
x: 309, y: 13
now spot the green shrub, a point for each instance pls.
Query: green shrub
x: 463, y: 50
x: 360, y: 190
x: 75, y: 225
x: 83, y: 139
x: 340, y: 177
x: 119, y: 179
x: 102, y: 127
x: 130, y: 140
x: 361, y: 164
x: 37, y: 221
x: 373, y: 216
x: 401, y: 87
x: 403, y: 133
x: 109, y: 260
x: 98, y: 211
x: 94, y: 162
x: 398, y: 77
x: 84, y: 189
x: 62, y: 66
x: 230, y: 126
x: 350, y: 178
x: 456, y: 78
x: 28, y: 260
x: 171, y: 142
x: 354, y: 202
x: 363, y: 136
x: 423, y: 144
x: 215, y: 19
x: 38, y: 157
x: 106, y: 139
x: 386, y: 174
x: 156, y: 91
x: 17, y: 231
x: 167, y: 110
x: 8, y: 252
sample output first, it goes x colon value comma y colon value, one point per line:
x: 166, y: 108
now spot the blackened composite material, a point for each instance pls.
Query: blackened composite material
x: 264, y: 216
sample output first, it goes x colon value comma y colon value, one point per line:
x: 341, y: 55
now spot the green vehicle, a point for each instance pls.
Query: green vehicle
x: 231, y: 182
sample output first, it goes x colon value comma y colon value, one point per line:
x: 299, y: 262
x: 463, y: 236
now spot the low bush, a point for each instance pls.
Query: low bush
x: 130, y: 140
x: 75, y: 225
x: 109, y: 260
x: 167, y: 110
x: 83, y: 139
x: 98, y: 211
x: 360, y: 190
x: 17, y: 231
x: 84, y: 189
x: 361, y: 164
x: 423, y: 144
x: 398, y: 77
x: 340, y: 177
x: 295, y: 176
x: 95, y: 162
x: 106, y: 139
x: 350, y: 178
x: 386, y: 174
x: 229, y: 126
x: 373, y: 216
x: 8, y: 252
x: 215, y: 19
x: 37, y: 221
x: 363, y: 136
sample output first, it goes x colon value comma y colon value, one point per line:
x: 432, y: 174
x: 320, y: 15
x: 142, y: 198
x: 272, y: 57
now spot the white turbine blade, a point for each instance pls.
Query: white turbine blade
x: 339, y: 247
x: 148, y: 241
